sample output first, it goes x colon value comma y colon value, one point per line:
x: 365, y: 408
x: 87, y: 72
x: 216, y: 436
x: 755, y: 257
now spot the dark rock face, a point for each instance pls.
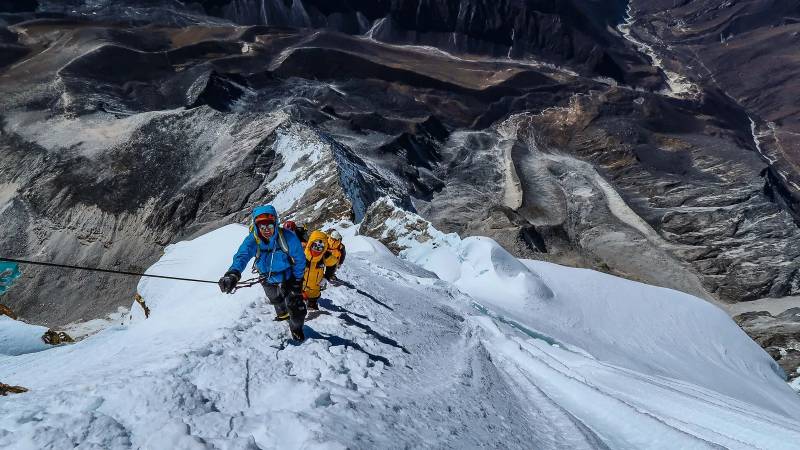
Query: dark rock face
x: 565, y: 32
x: 749, y: 51
x: 779, y: 335
x: 18, y: 6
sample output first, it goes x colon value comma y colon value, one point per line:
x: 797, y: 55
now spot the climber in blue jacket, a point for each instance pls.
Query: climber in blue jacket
x: 280, y: 262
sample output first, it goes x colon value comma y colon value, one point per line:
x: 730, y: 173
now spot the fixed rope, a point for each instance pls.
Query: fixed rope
x: 94, y: 269
x: 241, y: 284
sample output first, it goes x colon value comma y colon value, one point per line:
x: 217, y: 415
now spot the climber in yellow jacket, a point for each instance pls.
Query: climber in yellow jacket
x: 334, y: 257
x: 316, y: 249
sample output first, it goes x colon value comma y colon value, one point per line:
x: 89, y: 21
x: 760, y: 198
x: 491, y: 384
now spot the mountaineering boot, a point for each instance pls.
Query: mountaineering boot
x: 281, y: 311
x: 297, y: 334
x: 297, y: 313
x: 311, y: 304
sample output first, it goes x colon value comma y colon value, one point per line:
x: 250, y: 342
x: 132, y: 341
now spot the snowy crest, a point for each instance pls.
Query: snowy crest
x: 477, y: 265
x: 401, y: 230
x: 489, y: 271
x: 560, y: 356
x: 188, y: 303
x: 305, y: 161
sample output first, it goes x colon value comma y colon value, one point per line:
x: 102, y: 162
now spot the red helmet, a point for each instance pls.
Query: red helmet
x: 290, y: 225
x: 266, y: 217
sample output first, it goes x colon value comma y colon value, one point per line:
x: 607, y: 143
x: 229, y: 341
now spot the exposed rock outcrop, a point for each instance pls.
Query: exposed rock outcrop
x: 778, y: 334
x: 53, y: 337
x: 747, y: 50
x: 6, y: 311
x: 6, y: 389
x: 396, y: 228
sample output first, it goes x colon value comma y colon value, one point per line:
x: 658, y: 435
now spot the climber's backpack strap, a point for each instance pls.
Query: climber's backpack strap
x: 284, y: 246
x: 258, y: 248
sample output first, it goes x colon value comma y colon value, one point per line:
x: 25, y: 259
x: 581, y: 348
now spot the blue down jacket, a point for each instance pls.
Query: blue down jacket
x: 272, y: 262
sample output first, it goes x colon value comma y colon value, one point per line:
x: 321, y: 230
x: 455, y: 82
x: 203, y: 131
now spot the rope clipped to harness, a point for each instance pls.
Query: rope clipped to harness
x: 248, y: 283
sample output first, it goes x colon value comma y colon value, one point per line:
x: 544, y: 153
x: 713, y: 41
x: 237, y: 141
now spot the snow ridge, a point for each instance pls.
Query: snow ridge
x: 456, y: 344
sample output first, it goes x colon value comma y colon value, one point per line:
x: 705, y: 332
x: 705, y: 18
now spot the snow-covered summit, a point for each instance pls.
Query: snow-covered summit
x: 456, y: 344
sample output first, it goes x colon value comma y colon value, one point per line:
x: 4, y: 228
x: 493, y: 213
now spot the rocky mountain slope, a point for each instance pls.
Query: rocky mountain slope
x: 747, y: 50
x: 567, y: 131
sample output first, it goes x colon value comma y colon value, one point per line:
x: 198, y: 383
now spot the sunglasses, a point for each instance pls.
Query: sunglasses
x: 317, y: 246
x: 266, y: 227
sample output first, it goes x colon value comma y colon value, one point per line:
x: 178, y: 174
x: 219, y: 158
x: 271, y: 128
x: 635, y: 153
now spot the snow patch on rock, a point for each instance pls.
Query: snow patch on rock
x: 7, y: 193
x: 89, y: 133
x: 305, y: 161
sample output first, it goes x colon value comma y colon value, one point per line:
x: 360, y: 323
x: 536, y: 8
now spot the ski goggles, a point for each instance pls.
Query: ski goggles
x: 317, y: 246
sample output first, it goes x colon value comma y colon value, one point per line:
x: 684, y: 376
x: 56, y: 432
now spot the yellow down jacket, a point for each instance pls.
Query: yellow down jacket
x: 315, y: 266
x: 334, y: 255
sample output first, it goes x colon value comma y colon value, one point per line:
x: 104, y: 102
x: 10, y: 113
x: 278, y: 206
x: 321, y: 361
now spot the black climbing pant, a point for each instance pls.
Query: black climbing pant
x: 283, y: 301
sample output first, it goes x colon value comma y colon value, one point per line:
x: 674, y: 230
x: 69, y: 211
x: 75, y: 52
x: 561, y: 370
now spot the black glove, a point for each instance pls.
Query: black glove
x: 229, y: 280
x: 295, y: 286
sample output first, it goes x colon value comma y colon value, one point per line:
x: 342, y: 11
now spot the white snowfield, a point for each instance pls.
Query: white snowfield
x: 497, y: 353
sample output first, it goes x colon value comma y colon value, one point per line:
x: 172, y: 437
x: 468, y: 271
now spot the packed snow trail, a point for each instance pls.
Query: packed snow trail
x: 419, y: 361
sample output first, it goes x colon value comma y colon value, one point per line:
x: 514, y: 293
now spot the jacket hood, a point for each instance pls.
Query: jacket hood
x: 316, y: 235
x: 265, y: 209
